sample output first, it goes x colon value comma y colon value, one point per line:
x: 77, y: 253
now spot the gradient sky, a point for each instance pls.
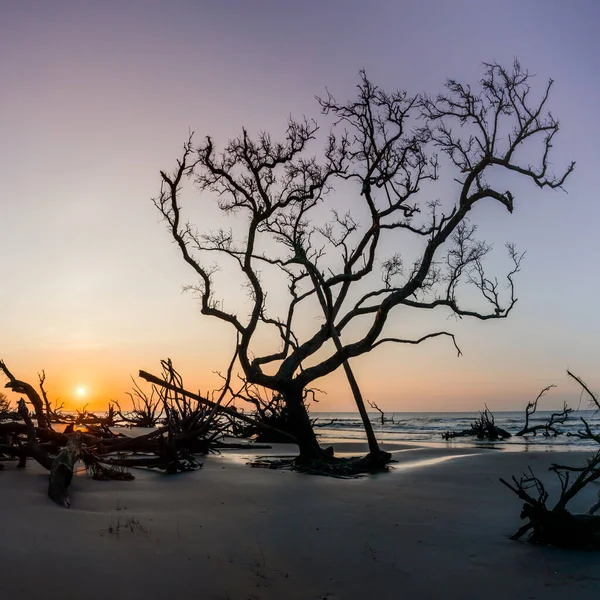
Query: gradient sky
x: 96, y: 97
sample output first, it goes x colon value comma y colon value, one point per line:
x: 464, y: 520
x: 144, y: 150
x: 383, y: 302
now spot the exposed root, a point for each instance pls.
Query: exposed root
x: 560, y: 528
x: 328, y: 465
x: 103, y: 472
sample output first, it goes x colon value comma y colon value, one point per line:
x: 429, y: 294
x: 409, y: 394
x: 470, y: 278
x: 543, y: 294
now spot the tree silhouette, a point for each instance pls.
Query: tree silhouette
x: 386, y: 151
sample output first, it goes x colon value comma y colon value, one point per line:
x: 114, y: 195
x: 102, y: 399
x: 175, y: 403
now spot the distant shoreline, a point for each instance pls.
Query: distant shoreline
x: 427, y: 428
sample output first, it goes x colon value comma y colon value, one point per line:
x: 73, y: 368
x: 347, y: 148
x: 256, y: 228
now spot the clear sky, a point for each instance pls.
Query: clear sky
x: 96, y: 97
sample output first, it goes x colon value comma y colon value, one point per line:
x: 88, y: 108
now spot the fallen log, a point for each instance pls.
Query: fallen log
x: 61, y: 472
x: 61, y: 467
x: 556, y: 526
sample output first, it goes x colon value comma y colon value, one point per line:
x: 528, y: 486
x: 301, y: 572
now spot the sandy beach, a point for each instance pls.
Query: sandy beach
x: 436, y: 526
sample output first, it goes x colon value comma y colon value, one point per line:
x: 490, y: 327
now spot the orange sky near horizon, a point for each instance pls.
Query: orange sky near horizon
x: 427, y: 378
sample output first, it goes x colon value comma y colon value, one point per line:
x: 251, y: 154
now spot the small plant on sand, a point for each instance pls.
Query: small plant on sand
x: 124, y: 525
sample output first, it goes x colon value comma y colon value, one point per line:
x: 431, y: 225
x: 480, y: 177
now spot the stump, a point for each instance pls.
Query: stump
x: 61, y: 472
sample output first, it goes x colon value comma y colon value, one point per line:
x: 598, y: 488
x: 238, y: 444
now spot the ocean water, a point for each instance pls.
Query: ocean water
x: 428, y: 428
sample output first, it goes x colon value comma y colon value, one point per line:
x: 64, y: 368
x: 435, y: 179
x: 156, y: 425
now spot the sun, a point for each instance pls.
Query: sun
x: 81, y: 392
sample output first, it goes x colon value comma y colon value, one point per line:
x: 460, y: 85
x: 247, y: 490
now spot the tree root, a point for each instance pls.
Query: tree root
x: 560, y: 528
x: 328, y: 465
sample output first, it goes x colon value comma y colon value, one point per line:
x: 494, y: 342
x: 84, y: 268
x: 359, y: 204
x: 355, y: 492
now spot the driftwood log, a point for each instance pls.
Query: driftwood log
x: 192, y: 425
x: 21, y: 387
x: 61, y: 472
x: 550, y: 427
x: 556, y: 525
x: 483, y: 428
x: 61, y: 467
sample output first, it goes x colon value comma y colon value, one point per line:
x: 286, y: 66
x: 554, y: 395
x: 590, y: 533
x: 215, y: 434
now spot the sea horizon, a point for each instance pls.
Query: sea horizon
x: 428, y: 427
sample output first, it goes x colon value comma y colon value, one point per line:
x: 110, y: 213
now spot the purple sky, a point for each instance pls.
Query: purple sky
x: 98, y: 96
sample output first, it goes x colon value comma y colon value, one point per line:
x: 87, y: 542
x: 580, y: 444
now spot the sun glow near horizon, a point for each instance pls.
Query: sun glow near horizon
x: 81, y: 392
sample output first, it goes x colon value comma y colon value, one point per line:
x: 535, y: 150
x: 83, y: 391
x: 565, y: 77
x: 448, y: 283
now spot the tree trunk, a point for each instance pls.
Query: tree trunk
x: 21, y: 387
x: 371, y: 439
x: 317, y: 280
x: 61, y: 472
x: 377, y: 455
x: 302, y: 426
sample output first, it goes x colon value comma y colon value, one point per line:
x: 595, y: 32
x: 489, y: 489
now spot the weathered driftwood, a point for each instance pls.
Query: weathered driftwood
x: 593, y: 398
x: 331, y: 466
x: 32, y: 448
x: 190, y: 428
x: 232, y: 412
x: 147, y: 409
x: 483, y: 428
x: 548, y: 428
x: 269, y: 409
x: 102, y: 471
x: 21, y: 387
x: 61, y: 472
x: 61, y: 467
x: 556, y: 525
x: 54, y: 413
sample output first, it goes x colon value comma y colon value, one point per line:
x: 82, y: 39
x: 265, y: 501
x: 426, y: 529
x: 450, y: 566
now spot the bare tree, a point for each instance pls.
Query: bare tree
x: 483, y: 428
x: 4, y: 404
x: 146, y: 409
x: 388, y: 150
x: 383, y: 418
x: 594, y: 401
x: 549, y: 427
x: 22, y: 387
x: 556, y: 525
x: 193, y: 425
x: 55, y: 413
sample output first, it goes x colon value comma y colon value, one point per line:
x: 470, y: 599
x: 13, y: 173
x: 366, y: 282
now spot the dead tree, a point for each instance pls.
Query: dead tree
x: 389, y: 148
x: 267, y: 407
x: 483, y: 428
x: 60, y: 467
x: 146, y: 411
x: 55, y: 413
x: 594, y: 401
x: 556, y: 525
x: 383, y: 419
x: 61, y: 472
x: 548, y: 428
x: 20, y: 387
x: 191, y: 426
